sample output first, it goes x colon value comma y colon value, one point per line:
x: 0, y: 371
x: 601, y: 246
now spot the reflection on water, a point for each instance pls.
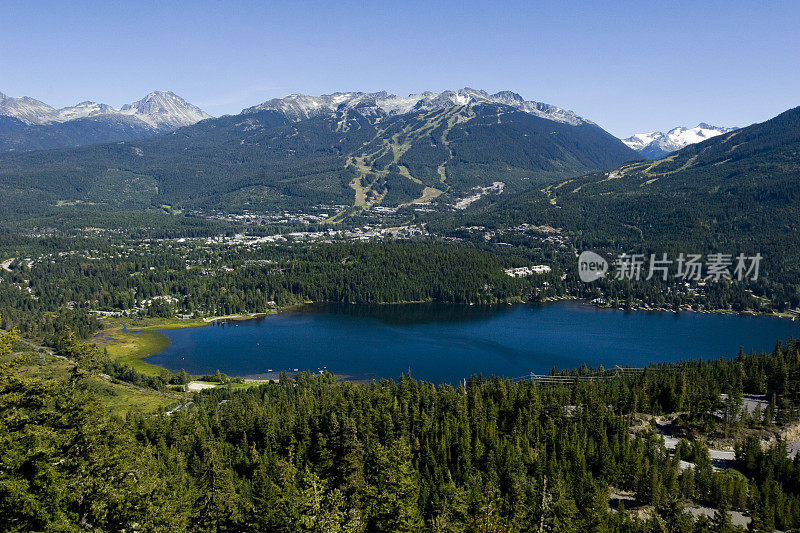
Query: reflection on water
x: 409, y: 314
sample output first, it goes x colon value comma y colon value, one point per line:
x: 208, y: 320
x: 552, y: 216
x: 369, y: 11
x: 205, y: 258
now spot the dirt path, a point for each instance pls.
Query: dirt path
x: 720, y: 459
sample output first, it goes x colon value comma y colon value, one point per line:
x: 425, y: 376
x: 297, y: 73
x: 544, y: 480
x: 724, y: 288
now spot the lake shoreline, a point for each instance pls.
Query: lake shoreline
x: 136, y: 353
x: 448, y: 342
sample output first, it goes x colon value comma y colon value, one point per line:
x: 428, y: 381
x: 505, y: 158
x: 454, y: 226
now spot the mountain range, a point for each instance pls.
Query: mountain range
x: 656, y: 144
x: 29, y: 124
x: 736, y: 191
x: 353, y: 149
x: 382, y: 104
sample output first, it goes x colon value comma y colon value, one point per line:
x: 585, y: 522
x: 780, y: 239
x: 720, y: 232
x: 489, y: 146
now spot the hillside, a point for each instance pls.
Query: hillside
x: 404, y: 455
x: 267, y: 159
x: 17, y: 136
x: 737, y: 192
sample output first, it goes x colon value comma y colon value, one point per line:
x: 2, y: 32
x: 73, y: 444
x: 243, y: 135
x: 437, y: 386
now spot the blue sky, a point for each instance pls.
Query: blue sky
x: 628, y: 66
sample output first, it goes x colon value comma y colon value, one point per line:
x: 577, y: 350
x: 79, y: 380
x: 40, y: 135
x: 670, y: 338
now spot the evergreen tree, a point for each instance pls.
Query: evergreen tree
x: 392, y: 504
x: 216, y: 506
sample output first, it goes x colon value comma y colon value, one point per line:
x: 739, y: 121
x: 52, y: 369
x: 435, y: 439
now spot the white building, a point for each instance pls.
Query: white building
x: 527, y: 271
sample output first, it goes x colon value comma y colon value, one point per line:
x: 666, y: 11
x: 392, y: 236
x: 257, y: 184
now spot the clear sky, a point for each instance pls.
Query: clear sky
x: 629, y: 66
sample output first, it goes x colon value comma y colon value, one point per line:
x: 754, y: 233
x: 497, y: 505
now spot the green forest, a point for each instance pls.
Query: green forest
x: 64, y: 288
x: 314, y: 454
x: 733, y: 193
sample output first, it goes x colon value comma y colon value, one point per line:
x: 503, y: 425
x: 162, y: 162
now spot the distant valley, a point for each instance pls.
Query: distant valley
x: 426, y: 164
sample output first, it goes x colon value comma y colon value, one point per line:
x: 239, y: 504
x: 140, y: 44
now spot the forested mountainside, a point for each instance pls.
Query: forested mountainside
x: 263, y: 160
x: 738, y: 192
x: 17, y: 136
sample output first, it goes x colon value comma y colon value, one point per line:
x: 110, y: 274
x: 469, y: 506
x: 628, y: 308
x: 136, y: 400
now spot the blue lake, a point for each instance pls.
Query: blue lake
x: 446, y: 343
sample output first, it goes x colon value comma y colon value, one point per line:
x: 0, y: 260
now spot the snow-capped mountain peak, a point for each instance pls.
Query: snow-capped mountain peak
x: 658, y: 144
x: 301, y: 106
x: 165, y: 110
x: 161, y: 111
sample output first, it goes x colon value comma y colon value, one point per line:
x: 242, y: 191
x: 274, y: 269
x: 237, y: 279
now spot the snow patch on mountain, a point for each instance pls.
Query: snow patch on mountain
x: 658, y: 144
x: 298, y: 107
x: 83, y: 110
x: 26, y: 109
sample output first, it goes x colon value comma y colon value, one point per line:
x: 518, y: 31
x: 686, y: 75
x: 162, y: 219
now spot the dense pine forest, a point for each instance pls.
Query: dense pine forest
x: 63, y: 288
x: 313, y: 454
